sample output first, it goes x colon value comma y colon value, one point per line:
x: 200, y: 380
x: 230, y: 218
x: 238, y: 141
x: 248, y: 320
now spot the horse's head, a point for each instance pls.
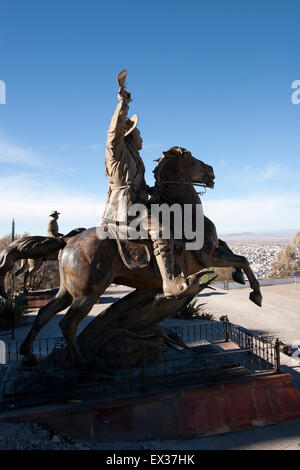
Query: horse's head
x: 178, y: 164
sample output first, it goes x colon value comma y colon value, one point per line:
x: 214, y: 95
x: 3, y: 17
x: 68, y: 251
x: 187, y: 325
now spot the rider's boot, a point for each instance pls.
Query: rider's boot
x: 173, y: 286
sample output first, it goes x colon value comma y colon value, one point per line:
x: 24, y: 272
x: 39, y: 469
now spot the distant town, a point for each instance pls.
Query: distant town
x: 261, y: 249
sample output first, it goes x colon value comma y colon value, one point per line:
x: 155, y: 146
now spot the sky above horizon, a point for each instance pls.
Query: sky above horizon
x: 214, y: 77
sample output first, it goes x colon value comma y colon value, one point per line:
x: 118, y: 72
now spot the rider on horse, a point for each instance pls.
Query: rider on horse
x: 53, y: 225
x: 125, y: 171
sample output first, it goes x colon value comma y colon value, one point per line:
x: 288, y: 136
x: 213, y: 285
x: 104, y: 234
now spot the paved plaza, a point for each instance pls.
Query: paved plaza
x: 279, y: 315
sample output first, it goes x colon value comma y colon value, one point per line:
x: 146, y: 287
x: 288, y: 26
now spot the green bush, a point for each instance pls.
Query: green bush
x: 12, y: 309
x: 192, y: 311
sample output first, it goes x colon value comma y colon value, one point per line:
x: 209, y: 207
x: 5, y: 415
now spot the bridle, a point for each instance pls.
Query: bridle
x: 201, y: 185
x: 191, y: 183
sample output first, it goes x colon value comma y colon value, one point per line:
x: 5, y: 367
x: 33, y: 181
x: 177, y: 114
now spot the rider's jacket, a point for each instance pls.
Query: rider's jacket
x: 124, y: 168
x: 53, y: 228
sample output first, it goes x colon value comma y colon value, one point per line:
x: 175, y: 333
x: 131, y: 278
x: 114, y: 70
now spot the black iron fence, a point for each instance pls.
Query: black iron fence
x: 41, y: 348
x: 215, y: 349
x: 265, y: 351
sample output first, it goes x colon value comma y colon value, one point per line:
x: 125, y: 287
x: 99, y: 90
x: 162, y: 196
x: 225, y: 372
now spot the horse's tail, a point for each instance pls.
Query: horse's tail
x: 2, y: 287
x: 24, y: 248
x: 3, y: 257
x: 7, y: 261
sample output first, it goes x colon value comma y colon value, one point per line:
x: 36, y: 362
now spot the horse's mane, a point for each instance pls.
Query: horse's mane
x: 180, y: 152
x: 74, y: 232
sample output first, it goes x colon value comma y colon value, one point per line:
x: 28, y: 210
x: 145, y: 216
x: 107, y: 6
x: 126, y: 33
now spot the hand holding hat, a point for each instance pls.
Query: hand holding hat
x: 123, y: 94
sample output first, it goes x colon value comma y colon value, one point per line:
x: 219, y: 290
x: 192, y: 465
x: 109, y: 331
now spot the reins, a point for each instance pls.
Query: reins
x: 186, y: 182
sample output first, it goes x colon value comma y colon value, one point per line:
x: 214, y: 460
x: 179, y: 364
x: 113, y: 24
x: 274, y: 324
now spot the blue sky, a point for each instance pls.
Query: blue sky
x: 214, y: 77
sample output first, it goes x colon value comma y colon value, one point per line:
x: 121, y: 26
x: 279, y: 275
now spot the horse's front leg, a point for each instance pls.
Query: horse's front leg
x: 80, y: 308
x: 61, y: 301
x: 224, y: 259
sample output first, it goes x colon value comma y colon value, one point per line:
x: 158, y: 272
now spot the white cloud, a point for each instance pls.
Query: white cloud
x: 30, y: 197
x: 14, y: 154
x: 152, y: 146
x: 63, y: 147
x: 29, y: 200
x: 95, y: 146
x: 270, y: 172
x: 254, y: 213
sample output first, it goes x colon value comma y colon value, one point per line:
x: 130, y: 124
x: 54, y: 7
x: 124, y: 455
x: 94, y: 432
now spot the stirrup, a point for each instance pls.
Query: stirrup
x: 174, y: 288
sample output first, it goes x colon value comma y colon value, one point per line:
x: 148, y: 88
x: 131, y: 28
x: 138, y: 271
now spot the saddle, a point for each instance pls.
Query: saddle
x: 138, y: 253
x: 135, y: 254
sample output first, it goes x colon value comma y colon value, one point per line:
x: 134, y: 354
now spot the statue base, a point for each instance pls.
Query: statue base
x: 182, y: 412
x: 48, y: 380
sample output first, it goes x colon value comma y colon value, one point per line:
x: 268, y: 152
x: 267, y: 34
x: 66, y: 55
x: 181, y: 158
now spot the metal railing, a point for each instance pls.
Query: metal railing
x: 205, y: 359
x: 41, y: 348
x: 265, y: 351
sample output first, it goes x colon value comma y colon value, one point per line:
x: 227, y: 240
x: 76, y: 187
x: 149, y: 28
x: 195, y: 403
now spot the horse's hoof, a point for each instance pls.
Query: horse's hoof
x: 238, y: 277
x: 256, y: 297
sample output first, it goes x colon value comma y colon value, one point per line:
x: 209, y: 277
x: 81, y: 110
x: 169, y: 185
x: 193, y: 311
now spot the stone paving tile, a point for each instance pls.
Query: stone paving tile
x: 293, y: 447
x: 277, y: 437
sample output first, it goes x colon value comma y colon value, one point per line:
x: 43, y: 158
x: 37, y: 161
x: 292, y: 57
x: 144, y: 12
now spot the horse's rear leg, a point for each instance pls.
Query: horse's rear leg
x: 224, y: 259
x: 61, y: 301
x: 79, y: 309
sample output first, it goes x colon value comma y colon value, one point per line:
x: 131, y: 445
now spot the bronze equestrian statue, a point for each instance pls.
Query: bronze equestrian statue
x: 90, y: 261
x: 89, y: 264
x: 125, y: 171
x: 36, y: 249
x: 30, y: 266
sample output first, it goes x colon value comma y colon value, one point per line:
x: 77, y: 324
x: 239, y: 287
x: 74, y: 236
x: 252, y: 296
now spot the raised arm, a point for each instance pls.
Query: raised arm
x: 117, y: 128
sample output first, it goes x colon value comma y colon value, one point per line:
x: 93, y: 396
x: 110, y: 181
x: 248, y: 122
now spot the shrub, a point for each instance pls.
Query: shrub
x: 192, y: 311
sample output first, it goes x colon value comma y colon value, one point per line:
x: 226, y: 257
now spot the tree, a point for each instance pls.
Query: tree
x: 46, y: 277
x: 288, y: 259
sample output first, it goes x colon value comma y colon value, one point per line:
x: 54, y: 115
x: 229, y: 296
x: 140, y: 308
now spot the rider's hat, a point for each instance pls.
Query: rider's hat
x: 131, y: 124
x: 53, y: 213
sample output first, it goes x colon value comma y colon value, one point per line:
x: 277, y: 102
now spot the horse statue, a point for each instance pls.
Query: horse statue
x: 34, y: 250
x: 30, y: 266
x: 89, y: 264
